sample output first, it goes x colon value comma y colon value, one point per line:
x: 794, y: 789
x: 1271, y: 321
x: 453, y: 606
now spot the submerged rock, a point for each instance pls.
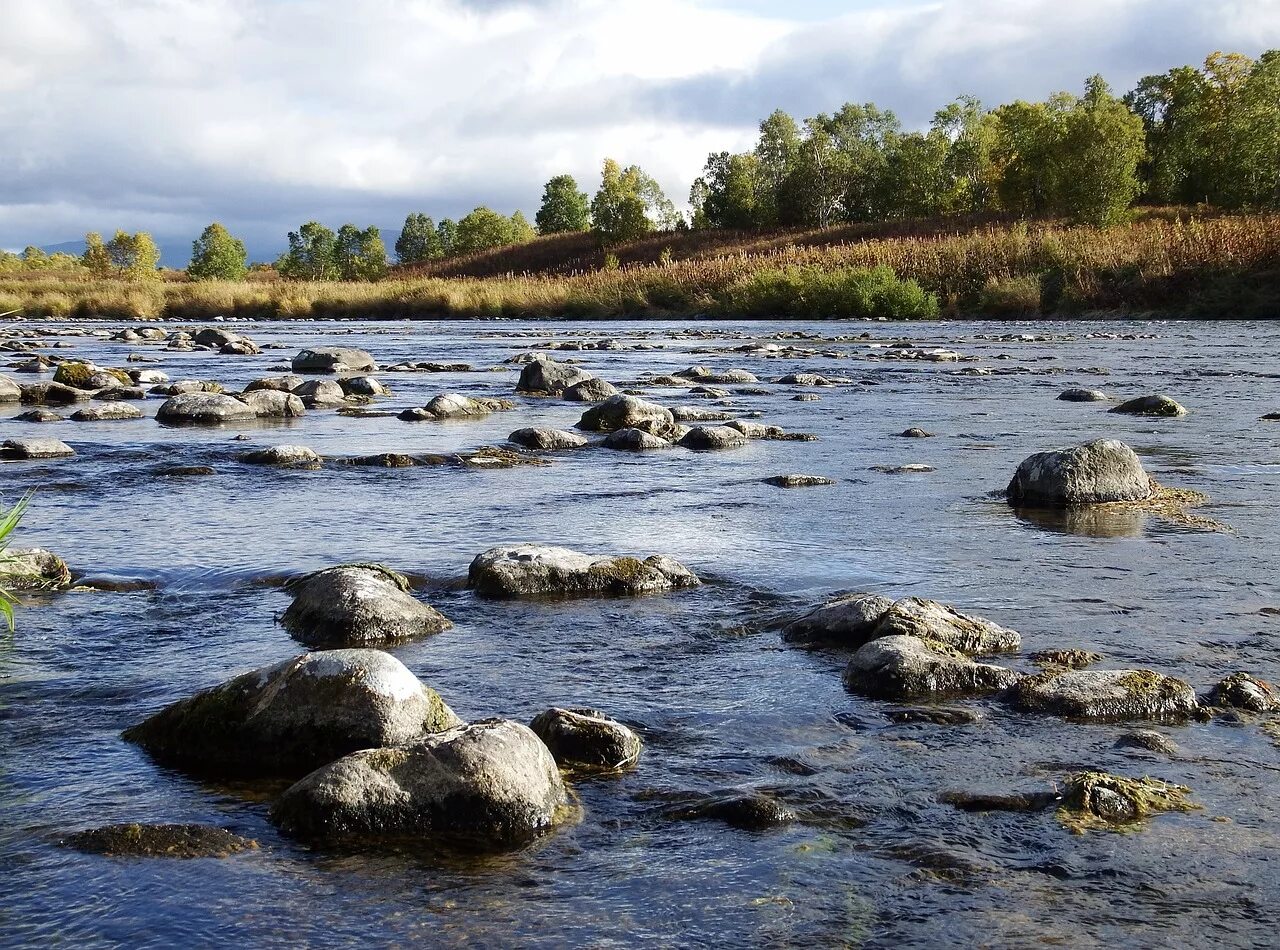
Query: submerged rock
x: 295, y: 456
x: 1098, y: 799
x: 287, y: 719
x: 1157, y: 405
x: 587, y: 739
x: 531, y: 570
x: 709, y: 438
x: 1242, y: 691
x: 492, y: 784
x: 112, y: 411
x: 1082, y: 395
x: 1013, y: 801
x: 358, y: 605
x: 749, y: 812
x: 634, y: 440
x: 544, y: 377
x: 623, y: 412
x: 333, y: 359
x: 1066, y: 659
x: 798, y: 481
x: 200, y: 408
x: 1111, y: 695
x: 1096, y: 472
x: 590, y: 390
x: 547, y: 439
x: 159, y: 841
x: 33, y: 569
x: 698, y: 414
x: 909, y: 668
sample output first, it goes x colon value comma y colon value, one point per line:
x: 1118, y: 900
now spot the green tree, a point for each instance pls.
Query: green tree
x: 776, y: 153
x: 447, y: 232
x: 359, y: 255
x: 564, y: 208
x: 728, y: 193
x: 96, y: 259
x: 133, y: 256
x: 969, y: 168
x: 863, y: 138
x: 485, y: 228
x: 1028, y: 139
x: 34, y: 258
x: 630, y: 204
x: 418, y: 241
x: 1101, y: 145
x: 311, y: 254
x: 915, y: 183
x: 216, y: 255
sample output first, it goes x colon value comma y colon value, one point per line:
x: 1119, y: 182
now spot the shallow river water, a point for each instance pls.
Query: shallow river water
x: 722, y: 703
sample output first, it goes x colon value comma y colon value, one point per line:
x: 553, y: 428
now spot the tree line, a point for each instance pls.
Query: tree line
x: 1190, y: 136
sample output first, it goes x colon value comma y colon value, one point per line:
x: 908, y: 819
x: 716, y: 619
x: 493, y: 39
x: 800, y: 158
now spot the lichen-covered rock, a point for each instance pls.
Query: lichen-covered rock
x: 273, y: 404
x: 188, y: 386
x: 33, y: 569
x: 590, y: 390
x: 1242, y: 691
x: 704, y: 374
x: 112, y: 411
x: 320, y: 393
x: 909, y: 668
x: 623, y: 412
x: 848, y: 620
x: 587, y: 740
x: 709, y: 438
x: 208, y: 409
x: 86, y: 376
x: 1070, y: 659
x: 1101, y: 471
x: 333, y: 359
x: 28, y: 449
x: 287, y: 719
x: 634, y: 440
x: 1108, y: 695
x: 803, y: 379
x: 1082, y: 395
x: 456, y: 406
x: 358, y: 605
x: 930, y: 620
x: 798, y: 481
x: 545, y: 377
x: 1155, y: 405
x: 159, y: 841
x: 10, y: 391
x: 1101, y: 800
x: 295, y: 456
x: 533, y: 570
x: 547, y: 439
x: 492, y: 784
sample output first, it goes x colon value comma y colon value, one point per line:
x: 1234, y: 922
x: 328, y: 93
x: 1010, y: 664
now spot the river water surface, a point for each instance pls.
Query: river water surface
x: 722, y: 703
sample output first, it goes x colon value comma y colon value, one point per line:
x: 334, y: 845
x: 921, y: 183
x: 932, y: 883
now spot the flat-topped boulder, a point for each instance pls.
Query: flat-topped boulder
x: 358, y: 605
x: 852, y: 620
x: 1107, y: 695
x: 52, y: 394
x: 1102, y: 471
x: 587, y: 740
x: 133, y: 840
x: 796, y: 480
x: 491, y: 784
x: 704, y: 374
x: 634, y: 440
x: 320, y: 393
x: 39, y: 414
x: 201, y: 408
x: 1082, y: 395
x: 623, y: 412
x: 457, y: 406
x: 28, y: 449
x: 908, y: 668
x: 698, y: 414
x: 547, y: 439
x: 590, y: 390
x: 534, y: 570
x: 273, y: 404
x: 294, y: 456
x: 1155, y: 405
x: 33, y: 569
x: 711, y: 438
x: 108, y: 412
x: 333, y: 359
x: 287, y: 719
x: 545, y: 377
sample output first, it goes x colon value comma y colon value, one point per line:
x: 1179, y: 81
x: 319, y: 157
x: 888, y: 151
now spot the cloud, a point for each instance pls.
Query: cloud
x: 166, y: 114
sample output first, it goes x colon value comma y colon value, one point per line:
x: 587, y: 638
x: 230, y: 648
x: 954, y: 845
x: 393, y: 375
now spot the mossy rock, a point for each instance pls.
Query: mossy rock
x: 159, y: 841
x: 1101, y: 800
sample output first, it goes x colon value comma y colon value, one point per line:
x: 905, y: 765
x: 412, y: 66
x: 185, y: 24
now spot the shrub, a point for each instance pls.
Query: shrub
x: 844, y: 293
x: 1010, y: 296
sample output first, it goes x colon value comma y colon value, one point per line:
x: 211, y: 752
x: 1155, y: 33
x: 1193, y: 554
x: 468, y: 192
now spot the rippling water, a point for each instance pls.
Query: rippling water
x: 721, y: 702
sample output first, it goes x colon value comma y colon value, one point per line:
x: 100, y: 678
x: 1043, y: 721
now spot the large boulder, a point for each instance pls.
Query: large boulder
x: 1156, y: 405
x: 532, y: 570
x: 587, y: 740
x: 33, y: 569
x: 590, y: 390
x: 547, y: 439
x: 363, y: 386
x: 909, y: 668
x: 854, y: 619
x: 208, y: 409
x: 273, y: 404
x: 9, y: 390
x: 333, y: 359
x: 491, y: 784
x: 1096, y: 472
x: 26, y: 449
x: 1106, y: 695
x: 358, y: 605
x: 457, y: 406
x: 287, y: 719
x: 544, y: 377
x: 624, y: 412
x: 318, y: 393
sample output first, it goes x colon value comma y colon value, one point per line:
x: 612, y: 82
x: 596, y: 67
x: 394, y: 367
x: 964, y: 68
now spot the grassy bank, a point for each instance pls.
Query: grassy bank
x: 1167, y: 265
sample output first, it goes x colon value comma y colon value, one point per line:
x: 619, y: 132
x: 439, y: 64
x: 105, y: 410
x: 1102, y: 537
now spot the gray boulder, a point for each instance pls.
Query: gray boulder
x: 698, y: 414
x: 703, y: 374
x: 287, y: 719
x: 623, y: 412
x: 296, y: 456
x: 710, y: 438
x: 547, y: 439
x: 209, y: 409
x: 908, y: 668
x: 491, y: 784
x: 107, y: 412
x: 357, y: 605
x: 587, y: 740
x: 1110, y: 695
x: 39, y: 414
x: 634, y: 440
x: 590, y: 390
x: 25, y: 449
x: 532, y: 570
x: 544, y: 377
x: 33, y: 569
x: 1101, y: 471
x: 849, y: 620
x: 1156, y: 405
x: 319, y: 393
x: 928, y: 619
x: 1242, y: 691
x: 273, y: 404
x: 456, y: 406
x: 333, y: 359
x: 9, y: 390
x: 363, y: 386
x: 283, y: 384
x: 52, y: 394
x: 1082, y: 395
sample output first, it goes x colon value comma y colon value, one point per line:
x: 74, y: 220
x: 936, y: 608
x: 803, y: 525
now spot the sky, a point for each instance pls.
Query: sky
x: 164, y: 115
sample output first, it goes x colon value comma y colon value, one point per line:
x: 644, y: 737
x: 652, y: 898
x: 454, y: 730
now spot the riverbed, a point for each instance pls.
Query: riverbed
x: 191, y: 569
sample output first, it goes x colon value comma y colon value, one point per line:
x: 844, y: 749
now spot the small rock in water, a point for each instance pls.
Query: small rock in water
x: 39, y: 415
x: 752, y: 812
x: 913, y: 469
x: 590, y: 390
x: 587, y: 739
x: 33, y: 569
x: 708, y: 438
x: 1157, y: 405
x: 623, y: 412
x: 1149, y: 741
x: 798, y: 481
x: 915, y: 433
x: 545, y: 377
x: 1066, y: 659
x: 184, y: 471
x: 203, y: 408
x: 358, y: 605
x: 1098, y: 799
x: 159, y: 841
x: 909, y: 668
x: 28, y: 449
x: 1106, y: 695
x: 1242, y: 691
x: 1082, y: 395
x: 333, y: 359
x: 294, y: 456
x: 806, y: 397
x: 9, y: 390
x: 634, y: 440
x: 320, y: 393
x: 363, y: 386
x: 933, y: 717
x: 112, y: 411
x: 273, y: 404
x: 547, y: 439
x: 525, y: 570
